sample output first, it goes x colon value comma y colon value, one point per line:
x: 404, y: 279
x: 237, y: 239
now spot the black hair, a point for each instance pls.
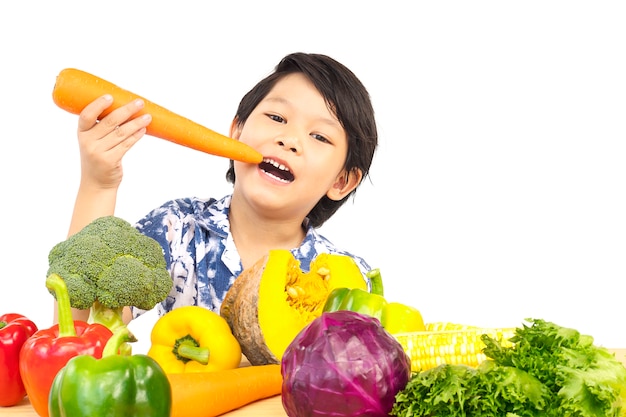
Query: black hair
x: 346, y: 97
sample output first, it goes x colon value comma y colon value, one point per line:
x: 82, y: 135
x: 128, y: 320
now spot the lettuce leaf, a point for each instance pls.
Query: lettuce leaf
x: 549, y: 370
x: 585, y: 380
x: 597, y: 388
x: 457, y: 390
x: 440, y: 391
x: 501, y: 389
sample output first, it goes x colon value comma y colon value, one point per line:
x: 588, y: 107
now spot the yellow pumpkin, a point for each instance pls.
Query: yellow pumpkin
x: 270, y: 302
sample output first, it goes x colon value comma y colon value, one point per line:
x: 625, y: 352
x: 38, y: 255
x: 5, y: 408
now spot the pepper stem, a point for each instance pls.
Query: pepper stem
x: 56, y: 284
x: 118, y: 343
x: 187, y: 349
x: 376, y: 281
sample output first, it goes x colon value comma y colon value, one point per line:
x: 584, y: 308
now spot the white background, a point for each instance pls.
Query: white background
x: 498, y: 190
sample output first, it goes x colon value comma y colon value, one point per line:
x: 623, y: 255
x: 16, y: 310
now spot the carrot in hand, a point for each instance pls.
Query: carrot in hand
x: 210, y: 394
x: 75, y: 89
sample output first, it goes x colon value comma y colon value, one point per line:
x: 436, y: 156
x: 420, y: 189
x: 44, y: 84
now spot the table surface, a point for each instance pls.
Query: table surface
x: 269, y: 407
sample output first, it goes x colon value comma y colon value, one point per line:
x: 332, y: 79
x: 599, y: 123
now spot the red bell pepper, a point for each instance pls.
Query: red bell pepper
x: 15, y: 329
x: 46, y: 352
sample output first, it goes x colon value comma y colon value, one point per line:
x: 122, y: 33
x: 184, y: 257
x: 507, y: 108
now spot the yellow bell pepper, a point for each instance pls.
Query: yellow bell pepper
x: 402, y: 318
x: 193, y: 339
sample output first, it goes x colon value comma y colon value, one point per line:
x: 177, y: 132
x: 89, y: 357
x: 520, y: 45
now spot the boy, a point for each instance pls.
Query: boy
x: 313, y: 122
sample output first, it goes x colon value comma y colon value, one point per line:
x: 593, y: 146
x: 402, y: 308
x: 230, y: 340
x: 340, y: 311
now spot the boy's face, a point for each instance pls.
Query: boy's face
x: 304, y: 146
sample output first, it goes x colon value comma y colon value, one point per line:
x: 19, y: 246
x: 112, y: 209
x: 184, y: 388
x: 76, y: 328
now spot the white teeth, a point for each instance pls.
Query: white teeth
x: 277, y: 178
x: 275, y: 164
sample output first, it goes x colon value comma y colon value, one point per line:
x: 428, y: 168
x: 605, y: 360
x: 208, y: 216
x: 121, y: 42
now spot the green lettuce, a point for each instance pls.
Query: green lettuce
x: 458, y: 390
x: 549, y: 370
x: 440, y: 391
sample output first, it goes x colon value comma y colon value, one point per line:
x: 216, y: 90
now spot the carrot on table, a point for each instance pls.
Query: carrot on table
x: 210, y: 394
x: 75, y: 89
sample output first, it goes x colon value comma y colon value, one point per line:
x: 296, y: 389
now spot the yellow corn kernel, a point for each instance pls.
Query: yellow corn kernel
x: 445, y: 325
x: 460, y: 346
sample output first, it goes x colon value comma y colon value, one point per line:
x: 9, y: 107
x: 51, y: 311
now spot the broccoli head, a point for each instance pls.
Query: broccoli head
x: 109, y: 265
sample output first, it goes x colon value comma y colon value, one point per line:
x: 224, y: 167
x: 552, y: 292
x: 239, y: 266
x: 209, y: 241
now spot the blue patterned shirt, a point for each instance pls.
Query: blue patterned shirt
x: 201, y: 254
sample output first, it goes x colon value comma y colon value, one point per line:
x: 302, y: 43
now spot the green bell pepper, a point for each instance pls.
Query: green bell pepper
x: 116, y: 385
x: 394, y: 317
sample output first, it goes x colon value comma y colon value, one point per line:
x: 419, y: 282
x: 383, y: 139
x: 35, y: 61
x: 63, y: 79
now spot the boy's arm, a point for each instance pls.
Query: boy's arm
x: 83, y: 315
x: 91, y: 203
x: 102, y: 143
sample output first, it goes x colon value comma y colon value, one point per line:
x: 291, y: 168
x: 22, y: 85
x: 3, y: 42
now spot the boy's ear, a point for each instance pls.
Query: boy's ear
x: 344, y: 184
x: 235, y: 129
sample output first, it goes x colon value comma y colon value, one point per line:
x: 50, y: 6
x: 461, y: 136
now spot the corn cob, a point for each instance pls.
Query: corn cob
x: 438, y: 326
x: 450, y: 343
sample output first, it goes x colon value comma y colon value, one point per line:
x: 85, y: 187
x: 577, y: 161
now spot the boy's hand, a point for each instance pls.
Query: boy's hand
x: 104, y: 142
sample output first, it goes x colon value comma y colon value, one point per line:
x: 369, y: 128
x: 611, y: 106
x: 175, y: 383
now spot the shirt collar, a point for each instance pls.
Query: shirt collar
x: 215, y: 218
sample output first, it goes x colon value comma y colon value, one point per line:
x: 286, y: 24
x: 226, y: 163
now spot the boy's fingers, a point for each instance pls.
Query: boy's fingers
x: 89, y: 116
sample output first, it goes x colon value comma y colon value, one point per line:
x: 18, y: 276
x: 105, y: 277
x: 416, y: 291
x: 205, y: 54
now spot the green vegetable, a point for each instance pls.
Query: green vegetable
x: 357, y: 300
x: 109, y: 265
x: 459, y: 390
x: 585, y: 380
x: 116, y: 385
x: 548, y: 370
x: 394, y: 317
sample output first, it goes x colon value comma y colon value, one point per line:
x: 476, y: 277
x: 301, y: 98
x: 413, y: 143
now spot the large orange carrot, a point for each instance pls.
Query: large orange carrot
x: 75, y: 89
x: 210, y: 394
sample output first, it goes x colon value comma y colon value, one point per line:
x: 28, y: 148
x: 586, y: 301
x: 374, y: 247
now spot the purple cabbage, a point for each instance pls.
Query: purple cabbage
x: 343, y: 364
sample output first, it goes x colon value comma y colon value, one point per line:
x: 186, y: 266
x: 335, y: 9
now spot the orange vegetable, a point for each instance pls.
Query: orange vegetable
x: 210, y: 394
x: 75, y: 89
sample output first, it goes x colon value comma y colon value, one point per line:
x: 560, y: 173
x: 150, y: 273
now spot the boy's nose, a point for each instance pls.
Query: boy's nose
x: 290, y: 144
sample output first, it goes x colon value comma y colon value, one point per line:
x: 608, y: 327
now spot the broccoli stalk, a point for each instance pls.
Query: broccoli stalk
x: 111, y: 317
x: 109, y: 265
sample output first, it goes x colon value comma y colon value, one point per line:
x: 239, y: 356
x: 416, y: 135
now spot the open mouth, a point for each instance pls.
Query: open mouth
x: 276, y: 170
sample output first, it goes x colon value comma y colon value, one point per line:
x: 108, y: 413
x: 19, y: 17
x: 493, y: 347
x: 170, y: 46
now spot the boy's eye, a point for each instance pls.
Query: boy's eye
x: 320, y: 138
x: 279, y: 119
x: 276, y: 118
